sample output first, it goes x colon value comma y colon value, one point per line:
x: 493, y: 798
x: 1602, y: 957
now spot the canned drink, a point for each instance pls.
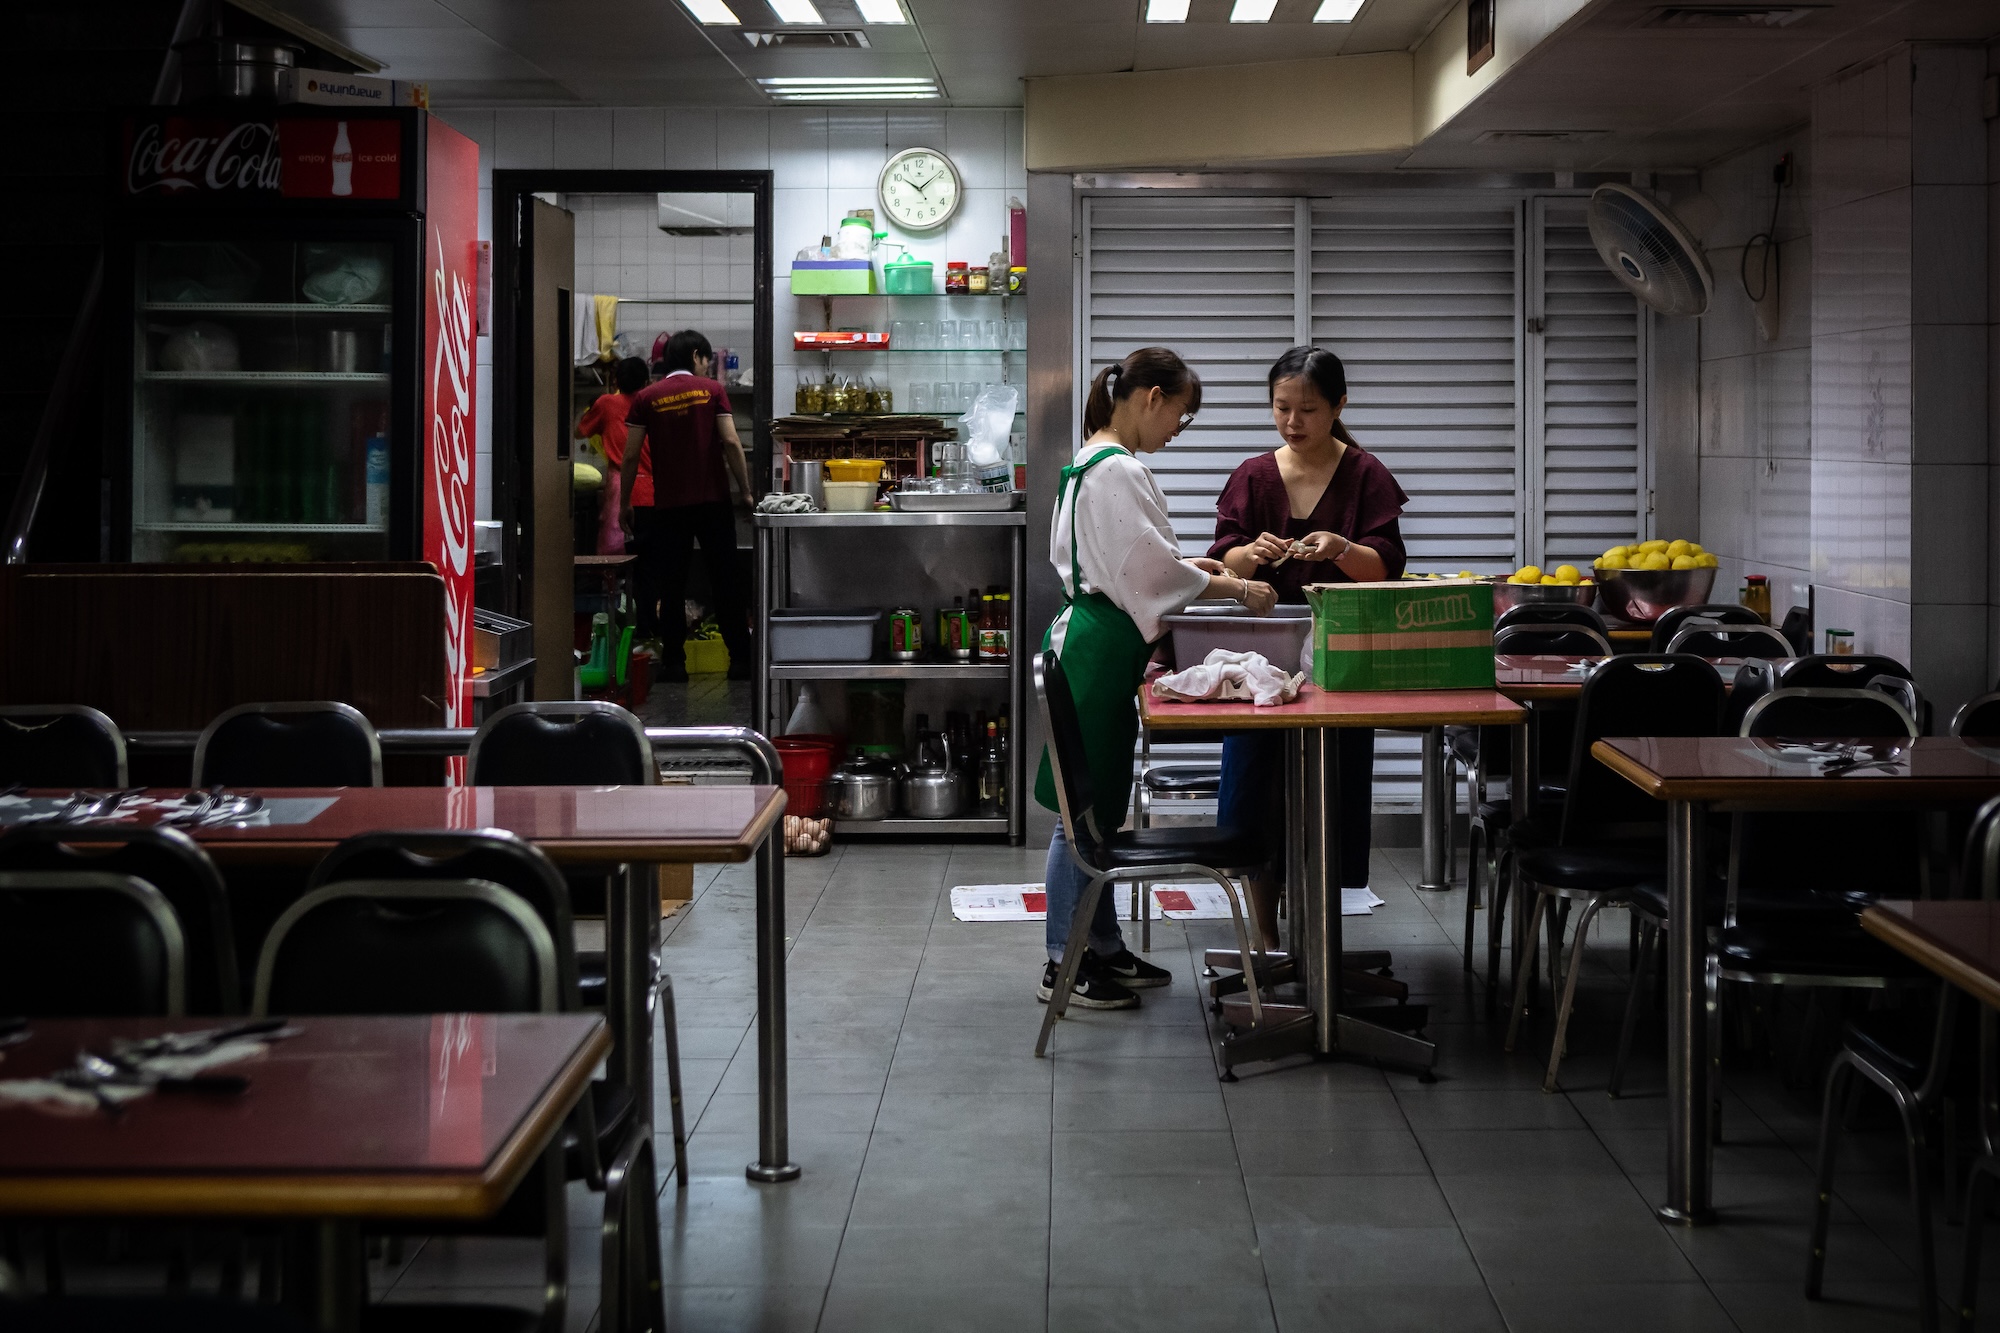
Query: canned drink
x: 958, y: 633
x: 906, y: 634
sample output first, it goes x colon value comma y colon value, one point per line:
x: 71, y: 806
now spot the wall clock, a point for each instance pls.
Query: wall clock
x: 920, y: 189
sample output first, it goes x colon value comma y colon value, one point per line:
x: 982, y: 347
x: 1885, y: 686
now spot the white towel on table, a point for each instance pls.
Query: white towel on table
x: 1226, y: 676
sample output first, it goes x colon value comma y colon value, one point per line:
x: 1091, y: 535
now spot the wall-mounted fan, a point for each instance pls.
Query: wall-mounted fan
x: 1648, y: 250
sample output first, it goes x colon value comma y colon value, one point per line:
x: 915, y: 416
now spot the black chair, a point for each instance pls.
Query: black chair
x: 1554, y: 640
x: 1839, y: 671
x: 1671, y: 620
x: 1111, y: 857
x: 1705, y: 639
x: 424, y: 947
x: 1550, y: 613
x: 172, y: 863
x: 88, y: 943
x: 1167, y: 782
x: 144, y: 1314
x: 288, y: 745
x: 1612, y: 839
x: 1978, y: 717
x: 60, y: 745
x: 588, y: 744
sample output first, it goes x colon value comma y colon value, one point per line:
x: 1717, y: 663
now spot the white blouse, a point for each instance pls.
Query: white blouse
x: 1125, y: 545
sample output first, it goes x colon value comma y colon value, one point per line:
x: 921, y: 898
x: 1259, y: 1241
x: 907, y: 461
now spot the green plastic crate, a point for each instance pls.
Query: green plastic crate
x: 832, y: 277
x: 1409, y: 635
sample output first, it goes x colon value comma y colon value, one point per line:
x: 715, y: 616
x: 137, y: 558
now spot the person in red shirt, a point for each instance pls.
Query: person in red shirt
x: 681, y: 426
x: 606, y: 420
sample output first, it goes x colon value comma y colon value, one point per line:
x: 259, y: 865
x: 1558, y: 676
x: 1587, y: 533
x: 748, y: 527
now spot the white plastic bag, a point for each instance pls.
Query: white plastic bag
x: 988, y: 424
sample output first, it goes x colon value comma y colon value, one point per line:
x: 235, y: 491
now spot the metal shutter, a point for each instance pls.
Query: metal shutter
x: 1585, y: 395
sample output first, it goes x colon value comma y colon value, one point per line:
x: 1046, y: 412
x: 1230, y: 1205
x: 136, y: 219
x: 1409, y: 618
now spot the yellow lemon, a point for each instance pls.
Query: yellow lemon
x: 1684, y: 562
x: 1659, y: 560
x: 1568, y: 573
x: 1653, y: 546
x: 1677, y: 548
x: 1529, y: 574
x: 1589, y: 583
x: 1695, y: 548
x: 1551, y: 581
x: 1614, y: 562
x: 1615, y: 552
x: 1706, y: 561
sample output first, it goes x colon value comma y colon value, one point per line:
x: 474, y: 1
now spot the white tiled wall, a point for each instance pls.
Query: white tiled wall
x: 824, y: 161
x: 621, y: 251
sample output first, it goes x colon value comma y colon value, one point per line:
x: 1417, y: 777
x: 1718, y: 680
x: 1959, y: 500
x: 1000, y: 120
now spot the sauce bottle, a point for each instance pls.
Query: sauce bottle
x: 1756, y: 595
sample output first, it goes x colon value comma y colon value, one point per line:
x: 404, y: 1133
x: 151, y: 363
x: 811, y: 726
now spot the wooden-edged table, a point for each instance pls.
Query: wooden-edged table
x: 434, y: 1117
x: 1958, y: 939
x: 596, y: 827
x: 1695, y: 775
x: 1312, y: 852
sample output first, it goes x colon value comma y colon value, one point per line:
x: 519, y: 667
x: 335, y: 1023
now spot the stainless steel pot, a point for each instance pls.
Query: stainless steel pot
x: 861, y: 792
x: 934, y: 793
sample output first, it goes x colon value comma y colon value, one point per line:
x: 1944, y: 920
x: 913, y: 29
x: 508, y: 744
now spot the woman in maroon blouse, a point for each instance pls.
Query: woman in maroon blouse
x: 1334, y: 507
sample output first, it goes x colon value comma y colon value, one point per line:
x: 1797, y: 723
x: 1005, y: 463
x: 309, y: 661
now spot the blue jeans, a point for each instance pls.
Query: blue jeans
x: 1253, y: 794
x: 1065, y: 880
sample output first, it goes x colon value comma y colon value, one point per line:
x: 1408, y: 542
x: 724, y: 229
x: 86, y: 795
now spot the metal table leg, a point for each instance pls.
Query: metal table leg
x: 629, y: 919
x: 1437, y: 811
x: 1689, y: 1156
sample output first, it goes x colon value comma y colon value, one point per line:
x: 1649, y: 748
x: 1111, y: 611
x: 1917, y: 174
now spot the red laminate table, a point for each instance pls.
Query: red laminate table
x: 418, y: 1118
x: 1312, y: 853
x: 1697, y: 774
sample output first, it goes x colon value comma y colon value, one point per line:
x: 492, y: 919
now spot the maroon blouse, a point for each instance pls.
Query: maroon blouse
x: 1361, y: 503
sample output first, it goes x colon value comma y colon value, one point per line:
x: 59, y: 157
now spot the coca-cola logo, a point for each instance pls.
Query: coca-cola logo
x: 176, y: 155
x: 451, y: 461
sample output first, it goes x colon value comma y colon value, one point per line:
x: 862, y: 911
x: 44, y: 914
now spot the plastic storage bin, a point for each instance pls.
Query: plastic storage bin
x: 1280, y: 637
x: 824, y: 636
x: 849, y: 497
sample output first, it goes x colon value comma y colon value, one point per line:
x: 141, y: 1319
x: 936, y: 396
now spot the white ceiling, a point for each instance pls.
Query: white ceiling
x: 650, y: 53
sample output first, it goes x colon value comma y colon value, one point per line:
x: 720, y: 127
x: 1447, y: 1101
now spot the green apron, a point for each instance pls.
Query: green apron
x: 1104, y: 658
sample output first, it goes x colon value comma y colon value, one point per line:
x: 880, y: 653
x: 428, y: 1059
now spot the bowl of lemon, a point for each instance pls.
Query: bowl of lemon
x: 1530, y: 583
x: 1645, y: 580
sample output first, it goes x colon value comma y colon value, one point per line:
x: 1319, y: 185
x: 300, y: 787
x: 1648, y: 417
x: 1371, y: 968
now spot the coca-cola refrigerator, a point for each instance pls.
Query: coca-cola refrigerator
x: 294, y: 292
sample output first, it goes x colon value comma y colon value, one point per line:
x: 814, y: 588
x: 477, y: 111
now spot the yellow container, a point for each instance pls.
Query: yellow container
x: 849, y: 497
x: 853, y: 469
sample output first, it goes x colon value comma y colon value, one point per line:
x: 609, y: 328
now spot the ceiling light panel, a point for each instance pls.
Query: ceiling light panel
x: 1252, y: 11
x: 1337, y: 11
x: 881, y: 11
x: 795, y: 11
x: 1166, y: 11
x: 711, y: 11
x: 859, y: 88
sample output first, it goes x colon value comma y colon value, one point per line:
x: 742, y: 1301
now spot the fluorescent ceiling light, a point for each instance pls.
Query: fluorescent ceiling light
x: 880, y: 11
x: 1166, y: 11
x: 860, y: 88
x: 840, y: 80
x: 711, y: 11
x: 1252, y: 11
x: 1337, y: 11
x: 796, y: 11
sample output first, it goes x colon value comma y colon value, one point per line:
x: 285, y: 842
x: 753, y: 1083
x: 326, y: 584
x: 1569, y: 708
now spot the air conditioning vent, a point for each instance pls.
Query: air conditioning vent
x: 1540, y: 136
x: 1729, y: 16
x: 796, y: 39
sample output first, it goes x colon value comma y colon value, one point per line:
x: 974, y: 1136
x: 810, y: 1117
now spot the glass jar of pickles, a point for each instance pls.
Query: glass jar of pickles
x: 810, y: 400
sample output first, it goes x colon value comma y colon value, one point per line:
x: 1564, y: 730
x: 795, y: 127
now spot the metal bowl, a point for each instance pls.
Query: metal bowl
x: 1642, y: 596
x: 1507, y: 596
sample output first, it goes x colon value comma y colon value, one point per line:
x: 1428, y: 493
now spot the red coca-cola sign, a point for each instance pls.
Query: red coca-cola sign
x: 201, y: 155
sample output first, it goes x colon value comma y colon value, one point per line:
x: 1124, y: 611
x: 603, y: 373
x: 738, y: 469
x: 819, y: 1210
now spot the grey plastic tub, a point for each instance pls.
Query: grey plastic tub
x: 1280, y: 637
x: 824, y: 636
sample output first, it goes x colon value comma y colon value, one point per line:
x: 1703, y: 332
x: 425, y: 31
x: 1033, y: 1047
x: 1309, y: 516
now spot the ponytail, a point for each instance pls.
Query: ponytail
x: 1319, y: 368
x: 1148, y: 368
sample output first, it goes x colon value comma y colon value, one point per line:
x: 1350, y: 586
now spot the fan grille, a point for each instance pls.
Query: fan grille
x: 1644, y: 249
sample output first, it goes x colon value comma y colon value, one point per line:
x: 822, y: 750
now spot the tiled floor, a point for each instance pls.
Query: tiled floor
x: 951, y: 1180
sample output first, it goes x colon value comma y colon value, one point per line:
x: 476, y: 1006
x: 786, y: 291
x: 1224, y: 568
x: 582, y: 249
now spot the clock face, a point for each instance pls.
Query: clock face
x: 919, y: 189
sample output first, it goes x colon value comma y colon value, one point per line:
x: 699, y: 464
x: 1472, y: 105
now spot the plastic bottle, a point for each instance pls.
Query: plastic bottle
x: 377, y: 512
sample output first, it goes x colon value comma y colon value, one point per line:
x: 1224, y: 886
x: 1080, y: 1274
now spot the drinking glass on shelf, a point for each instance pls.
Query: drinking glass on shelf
x: 1017, y: 335
x: 968, y: 394
x: 947, y: 333
x: 992, y: 334
x: 925, y: 336
x: 899, y: 333
x: 945, y: 399
x: 920, y: 396
x: 968, y: 335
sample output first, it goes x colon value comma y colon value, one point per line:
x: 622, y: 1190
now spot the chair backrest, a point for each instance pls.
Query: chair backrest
x: 1832, y: 671
x: 1549, y: 613
x: 1559, y: 640
x: 493, y: 855
x: 84, y: 943
x: 321, y: 744
x: 1671, y: 620
x: 586, y: 744
x: 1813, y: 714
x: 1754, y: 679
x: 1905, y: 693
x: 1705, y: 639
x: 60, y: 745
x: 1978, y: 717
x: 1636, y: 694
x: 1979, y: 868
x: 408, y: 947
x: 172, y: 863
x: 1069, y: 763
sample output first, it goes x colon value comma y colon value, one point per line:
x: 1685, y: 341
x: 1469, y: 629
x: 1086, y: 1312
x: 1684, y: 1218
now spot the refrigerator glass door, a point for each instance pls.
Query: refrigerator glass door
x: 261, y: 413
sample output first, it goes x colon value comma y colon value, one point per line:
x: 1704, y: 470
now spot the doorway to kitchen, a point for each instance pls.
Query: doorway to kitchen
x: 653, y: 253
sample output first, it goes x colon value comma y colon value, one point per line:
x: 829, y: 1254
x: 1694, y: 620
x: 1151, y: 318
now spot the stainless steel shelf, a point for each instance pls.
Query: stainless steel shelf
x: 950, y: 518
x: 263, y: 377
x: 890, y: 671
x: 261, y: 308
x: 486, y: 684
x: 933, y: 828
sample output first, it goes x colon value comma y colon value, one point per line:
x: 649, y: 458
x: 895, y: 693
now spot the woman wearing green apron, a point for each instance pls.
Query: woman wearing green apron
x: 1121, y: 568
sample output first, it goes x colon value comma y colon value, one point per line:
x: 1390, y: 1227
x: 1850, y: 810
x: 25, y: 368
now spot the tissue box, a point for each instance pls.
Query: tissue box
x: 1430, y: 635
x: 832, y: 277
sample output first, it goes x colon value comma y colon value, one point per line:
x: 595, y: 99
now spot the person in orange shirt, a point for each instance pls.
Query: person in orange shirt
x: 606, y: 420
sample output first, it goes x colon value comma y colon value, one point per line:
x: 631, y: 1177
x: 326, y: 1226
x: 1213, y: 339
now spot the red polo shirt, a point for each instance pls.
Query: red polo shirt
x: 682, y: 444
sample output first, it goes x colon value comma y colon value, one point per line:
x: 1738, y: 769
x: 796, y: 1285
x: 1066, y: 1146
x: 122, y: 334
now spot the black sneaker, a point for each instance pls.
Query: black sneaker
x: 1131, y: 971
x: 1094, y: 988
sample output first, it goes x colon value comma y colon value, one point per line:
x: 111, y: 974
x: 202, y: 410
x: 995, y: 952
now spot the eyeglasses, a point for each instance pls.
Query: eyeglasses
x: 1187, y: 419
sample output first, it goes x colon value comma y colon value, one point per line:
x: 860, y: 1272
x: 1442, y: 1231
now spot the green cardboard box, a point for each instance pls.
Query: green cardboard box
x: 1432, y: 634
x: 832, y: 277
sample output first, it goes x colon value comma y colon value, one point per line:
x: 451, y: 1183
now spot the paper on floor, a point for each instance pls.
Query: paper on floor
x: 1175, y: 902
